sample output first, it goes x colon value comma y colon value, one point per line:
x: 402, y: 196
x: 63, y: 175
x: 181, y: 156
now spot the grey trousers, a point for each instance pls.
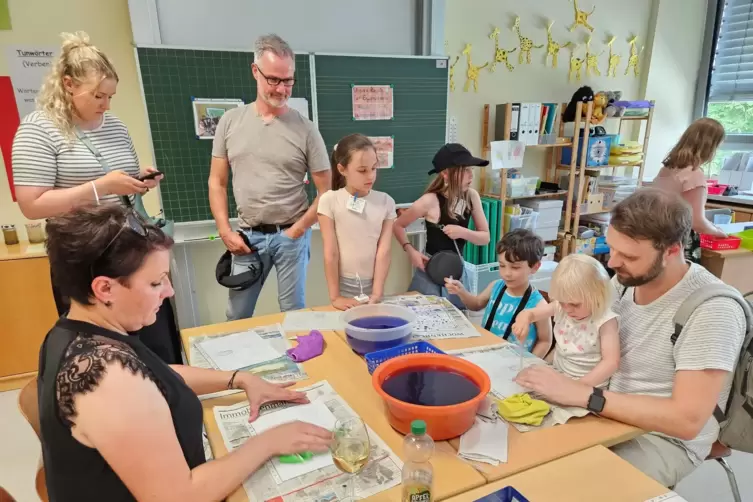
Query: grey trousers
x: 657, y: 457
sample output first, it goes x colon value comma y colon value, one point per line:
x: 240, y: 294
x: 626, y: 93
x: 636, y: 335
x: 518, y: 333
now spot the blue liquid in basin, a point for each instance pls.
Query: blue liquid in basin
x: 376, y: 323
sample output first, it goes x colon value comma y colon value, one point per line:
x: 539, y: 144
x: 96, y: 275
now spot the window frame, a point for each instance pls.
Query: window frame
x: 714, y: 11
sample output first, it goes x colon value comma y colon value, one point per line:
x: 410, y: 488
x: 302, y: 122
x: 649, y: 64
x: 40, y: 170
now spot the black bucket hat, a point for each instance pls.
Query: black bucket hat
x: 243, y: 280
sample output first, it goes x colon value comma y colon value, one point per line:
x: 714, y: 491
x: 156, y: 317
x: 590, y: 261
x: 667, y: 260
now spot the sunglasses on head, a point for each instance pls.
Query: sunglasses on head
x: 134, y: 223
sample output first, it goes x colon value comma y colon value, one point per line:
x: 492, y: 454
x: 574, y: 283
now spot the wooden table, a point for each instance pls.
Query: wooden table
x: 452, y: 476
x: 28, y: 311
x: 592, y: 474
x: 346, y: 373
x: 732, y: 267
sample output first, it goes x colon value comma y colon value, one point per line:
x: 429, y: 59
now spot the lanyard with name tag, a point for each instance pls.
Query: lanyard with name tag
x: 355, y: 204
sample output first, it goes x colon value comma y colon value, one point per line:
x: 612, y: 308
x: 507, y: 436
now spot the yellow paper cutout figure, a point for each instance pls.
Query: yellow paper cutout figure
x: 452, y: 73
x: 592, y: 60
x: 472, y: 71
x: 526, y: 44
x: 581, y: 17
x: 576, y: 65
x: 552, y: 47
x: 500, y: 55
x: 614, y: 59
x: 633, y: 61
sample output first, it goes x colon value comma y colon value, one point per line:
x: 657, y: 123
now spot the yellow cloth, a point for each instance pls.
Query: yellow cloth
x: 522, y: 409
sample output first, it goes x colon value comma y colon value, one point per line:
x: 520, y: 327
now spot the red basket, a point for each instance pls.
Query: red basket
x: 717, y: 189
x: 720, y: 243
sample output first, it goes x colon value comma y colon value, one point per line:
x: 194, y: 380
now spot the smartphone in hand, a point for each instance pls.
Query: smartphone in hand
x: 149, y: 176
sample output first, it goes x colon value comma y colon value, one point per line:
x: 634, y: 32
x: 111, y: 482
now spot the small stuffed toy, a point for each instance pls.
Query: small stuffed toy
x: 600, y: 105
x: 584, y: 94
x: 611, y: 110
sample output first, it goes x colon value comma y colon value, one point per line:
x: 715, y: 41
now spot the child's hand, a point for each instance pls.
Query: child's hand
x: 521, y: 326
x: 342, y: 303
x: 454, y: 287
x: 455, y: 231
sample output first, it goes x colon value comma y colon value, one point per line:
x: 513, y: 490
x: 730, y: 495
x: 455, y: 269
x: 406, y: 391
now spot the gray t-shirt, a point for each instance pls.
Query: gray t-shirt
x: 269, y: 161
x: 711, y: 339
x: 43, y: 157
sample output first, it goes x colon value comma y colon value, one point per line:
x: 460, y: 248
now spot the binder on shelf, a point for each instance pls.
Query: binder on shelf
x: 525, y: 123
x: 515, y: 119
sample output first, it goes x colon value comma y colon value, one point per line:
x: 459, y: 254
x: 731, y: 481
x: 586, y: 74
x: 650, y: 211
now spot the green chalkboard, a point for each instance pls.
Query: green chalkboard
x: 420, y: 113
x: 170, y: 79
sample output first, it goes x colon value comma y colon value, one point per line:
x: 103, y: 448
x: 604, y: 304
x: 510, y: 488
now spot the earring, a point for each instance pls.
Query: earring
x: 108, y: 304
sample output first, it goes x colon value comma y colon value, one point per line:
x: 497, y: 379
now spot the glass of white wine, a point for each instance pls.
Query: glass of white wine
x: 350, y: 450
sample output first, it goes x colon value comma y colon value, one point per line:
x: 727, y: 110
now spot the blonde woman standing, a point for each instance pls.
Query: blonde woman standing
x: 71, y: 151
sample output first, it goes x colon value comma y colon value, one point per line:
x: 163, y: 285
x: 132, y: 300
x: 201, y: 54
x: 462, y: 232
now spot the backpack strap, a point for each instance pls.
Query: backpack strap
x: 495, y: 306
x: 698, y: 297
x: 521, y: 306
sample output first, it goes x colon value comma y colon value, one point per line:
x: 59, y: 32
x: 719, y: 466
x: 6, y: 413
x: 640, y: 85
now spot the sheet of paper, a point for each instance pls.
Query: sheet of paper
x: 240, y: 350
x: 306, y: 321
x: 501, y: 371
x: 668, y: 497
x: 507, y: 154
x: 485, y: 442
x: 301, y: 105
x: 315, y: 413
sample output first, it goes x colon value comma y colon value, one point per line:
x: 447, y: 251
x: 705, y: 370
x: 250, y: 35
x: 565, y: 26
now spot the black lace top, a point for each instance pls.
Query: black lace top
x: 73, y: 360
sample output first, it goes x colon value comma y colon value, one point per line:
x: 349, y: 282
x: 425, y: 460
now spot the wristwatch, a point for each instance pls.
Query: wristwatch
x: 596, y: 401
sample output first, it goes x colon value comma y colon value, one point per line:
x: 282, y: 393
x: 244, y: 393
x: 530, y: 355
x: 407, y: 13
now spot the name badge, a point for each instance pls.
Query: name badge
x: 356, y: 205
x: 361, y: 298
x: 459, y: 207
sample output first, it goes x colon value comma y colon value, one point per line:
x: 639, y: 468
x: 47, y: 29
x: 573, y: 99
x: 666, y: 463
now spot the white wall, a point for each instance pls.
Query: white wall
x: 354, y: 26
x: 671, y: 80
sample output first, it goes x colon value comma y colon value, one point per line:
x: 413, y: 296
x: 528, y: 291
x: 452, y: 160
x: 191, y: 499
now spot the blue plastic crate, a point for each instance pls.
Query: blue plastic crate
x: 374, y: 359
x: 506, y: 494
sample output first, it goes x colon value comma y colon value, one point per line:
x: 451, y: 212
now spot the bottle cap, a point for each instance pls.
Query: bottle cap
x: 418, y: 427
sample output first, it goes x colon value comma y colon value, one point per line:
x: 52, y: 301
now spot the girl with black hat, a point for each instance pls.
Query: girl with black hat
x: 447, y: 207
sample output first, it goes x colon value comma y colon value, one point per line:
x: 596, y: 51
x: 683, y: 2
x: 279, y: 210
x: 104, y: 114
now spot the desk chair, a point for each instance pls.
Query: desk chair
x: 28, y: 404
x: 5, y: 496
x: 719, y: 452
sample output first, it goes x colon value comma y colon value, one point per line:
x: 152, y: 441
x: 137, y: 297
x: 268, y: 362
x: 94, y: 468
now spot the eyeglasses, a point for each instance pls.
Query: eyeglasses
x: 134, y: 223
x: 275, y: 81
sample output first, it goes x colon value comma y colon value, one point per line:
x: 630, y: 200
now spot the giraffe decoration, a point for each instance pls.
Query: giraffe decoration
x: 614, y: 59
x: 592, y: 60
x: 552, y: 47
x: 581, y: 18
x: 634, y: 61
x: 452, y: 73
x: 576, y: 65
x: 472, y: 71
x: 500, y: 55
x: 526, y: 44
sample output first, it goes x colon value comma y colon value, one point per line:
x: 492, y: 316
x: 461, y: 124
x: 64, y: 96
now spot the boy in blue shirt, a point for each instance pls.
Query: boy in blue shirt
x: 519, y: 253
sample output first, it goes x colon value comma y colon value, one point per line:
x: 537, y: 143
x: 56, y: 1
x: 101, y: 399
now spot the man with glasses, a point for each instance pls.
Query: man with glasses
x: 269, y: 148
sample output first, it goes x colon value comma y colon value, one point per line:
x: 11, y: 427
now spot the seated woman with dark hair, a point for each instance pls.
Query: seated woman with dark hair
x: 117, y: 422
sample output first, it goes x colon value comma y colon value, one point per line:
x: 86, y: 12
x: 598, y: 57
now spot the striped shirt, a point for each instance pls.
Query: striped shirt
x: 43, y: 157
x: 711, y: 339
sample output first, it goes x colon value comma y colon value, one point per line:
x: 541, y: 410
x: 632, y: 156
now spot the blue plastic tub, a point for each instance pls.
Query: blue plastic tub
x: 369, y: 328
x: 506, y: 494
x: 374, y: 359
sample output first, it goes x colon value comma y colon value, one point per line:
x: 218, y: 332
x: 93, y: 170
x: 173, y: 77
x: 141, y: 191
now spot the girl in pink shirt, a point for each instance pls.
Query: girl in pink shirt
x: 683, y: 175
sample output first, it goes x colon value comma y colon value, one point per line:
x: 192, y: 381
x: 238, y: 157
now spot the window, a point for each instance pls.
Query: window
x: 730, y: 93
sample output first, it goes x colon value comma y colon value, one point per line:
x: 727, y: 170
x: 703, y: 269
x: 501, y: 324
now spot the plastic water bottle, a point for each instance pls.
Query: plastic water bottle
x: 418, y: 473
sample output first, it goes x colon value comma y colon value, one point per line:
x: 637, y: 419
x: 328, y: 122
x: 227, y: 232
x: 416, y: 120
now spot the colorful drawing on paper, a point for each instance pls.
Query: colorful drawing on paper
x: 372, y: 102
x: 553, y: 47
x: 207, y: 114
x: 472, y: 71
x: 385, y: 148
x: 614, y: 59
x: 581, y: 17
x: 634, y: 61
x: 500, y: 55
x: 526, y: 44
x: 592, y: 60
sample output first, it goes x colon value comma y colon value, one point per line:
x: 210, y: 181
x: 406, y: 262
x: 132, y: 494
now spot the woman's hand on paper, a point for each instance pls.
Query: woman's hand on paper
x: 259, y: 392
x: 295, y: 437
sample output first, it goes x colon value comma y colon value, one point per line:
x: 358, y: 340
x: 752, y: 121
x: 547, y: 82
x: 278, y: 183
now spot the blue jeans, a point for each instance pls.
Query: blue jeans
x: 290, y: 259
x: 421, y: 283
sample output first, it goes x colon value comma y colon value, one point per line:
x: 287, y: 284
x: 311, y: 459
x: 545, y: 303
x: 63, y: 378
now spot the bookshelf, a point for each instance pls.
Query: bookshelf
x: 577, y: 169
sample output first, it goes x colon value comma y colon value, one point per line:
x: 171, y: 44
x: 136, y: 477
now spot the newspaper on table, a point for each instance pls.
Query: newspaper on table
x: 382, y: 472
x: 436, y: 317
x: 503, y: 363
x: 280, y: 370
